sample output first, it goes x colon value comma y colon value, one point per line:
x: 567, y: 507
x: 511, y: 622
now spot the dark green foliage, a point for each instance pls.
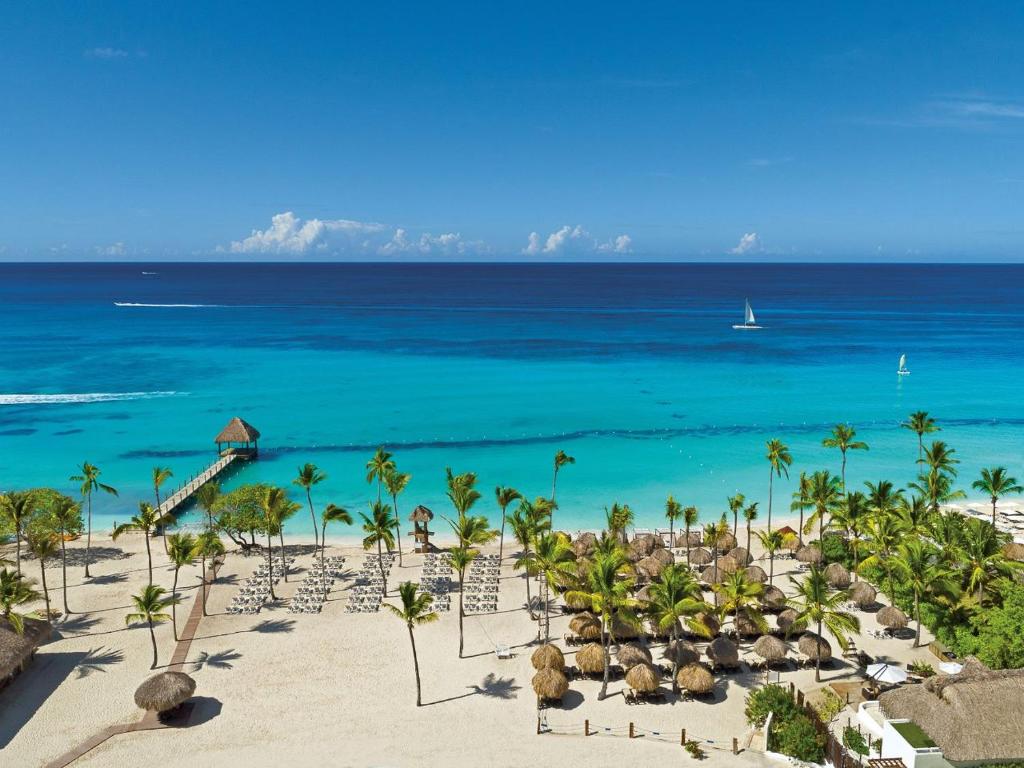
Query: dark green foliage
x: 835, y: 549
x: 996, y: 635
x: 766, y: 699
x: 922, y: 668
x: 240, y: 512
x: 854, y: 740
x: 694, y: 750
x: 797, y: 737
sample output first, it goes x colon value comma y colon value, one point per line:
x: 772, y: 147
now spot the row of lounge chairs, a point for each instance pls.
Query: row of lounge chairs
x: 312, y: 592
x: 368, y: 592
x: 255, y: 590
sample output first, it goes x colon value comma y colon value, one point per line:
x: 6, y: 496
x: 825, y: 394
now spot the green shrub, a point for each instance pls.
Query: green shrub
x: 835, y: 549
x: 830, y: 706
x: 854, y: 740
x: 922, y: 668
x: 797, y: 737
x: 695, y: 751
x: 769, y: 698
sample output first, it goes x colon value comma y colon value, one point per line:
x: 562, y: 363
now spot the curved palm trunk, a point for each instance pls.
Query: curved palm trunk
x: 88, y: 536
x: 771, y: 484
x: 149, y: 557
x: 817, y: 659
x: 64, y: 572
x: 380, y: 562
x: 284, y: 561
x: 800, y: 531
x: 547, y: 609
x: 675, y: 658
x: 842, y: 472
x: 462, y: 613
x: 312, y: 515
x: 270, y: 565
x: 607, y: 659
x: 174, y: 606
x: 398, y: 528
x: 529, y: 599
x: 202, y: 583
x: 46, y: 592
x: 688, y: 546
x: 917, y: 615
x: 501, y: 540
x: 415, y: 665
x: 163, y: 527
x: 152, y: 638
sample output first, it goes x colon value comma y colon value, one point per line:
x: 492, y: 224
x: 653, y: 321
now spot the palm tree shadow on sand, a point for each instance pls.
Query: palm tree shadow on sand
x: 97, y: 660
x: 492, y: 686
x: 219, y: 660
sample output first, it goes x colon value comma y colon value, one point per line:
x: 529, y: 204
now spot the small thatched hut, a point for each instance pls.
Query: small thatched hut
x: 863, y: 594
x: 814, y: 646
x: 643, y: 594
x: 165, y: 691
x: 643, y: 678
x: 585, y: 544
x: 745, y: 626
x: 770, y: 648
x: 809, y: 554
x: 696, y: 678
x: 682, y: 652
x: 631, y: 654
x: 786, y: 621
x: 693, y: 540
x: 623, y: 631
x: 642, y: 546
x: 773, y: 599
x: 727, y: 565
x: 755, y: 573
x: 550, y: 684
x: 548, y: 657
x: 741, y: 556
x: 723, y: 653
x: 16, y: 651
x: 726, y: 542
x: 590, y: 659
x: 663, y: 555
x: 238, y: 436
x: 586, y: 625
x: 837, y: 576
x: 711, y: 576
x: 709, y: 621
x: 700, y: 556
x: 420, y: 519
x: 649, y: 568
x: 892, y: 617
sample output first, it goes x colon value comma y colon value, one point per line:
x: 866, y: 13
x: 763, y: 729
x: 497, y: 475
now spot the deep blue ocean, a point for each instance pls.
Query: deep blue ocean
x: 634, y: 369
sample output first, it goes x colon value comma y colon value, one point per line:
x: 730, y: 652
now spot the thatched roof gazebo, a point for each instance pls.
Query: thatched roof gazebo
x: 682, y: 652
x: 726, y: 542
x: 773, y: 599
x: 711, y: 622
x: 165, y: 691
x: 663, y: 555
x: 420, y: 519
x: 892, y: 617
x: 17, y: 650
x: 550, y: 684
x: 723, y: 653
x: 863, y: 594
x: 710, y: 575
x: 643, y: 678
x: 649, y: 568
x: 809, y: 554
x: 755, y: 573
x: 590, y: 659
x: 239, y: 437
x: 548, y: 657
x: 631, y: 654
x: 586, y: 625
x: 696, y: 678
x: 770, y: 648
x: 786, y: 621
x: 814, y: 646
x: 741, y: 556
x: 642, y: 546
x: 585, y: 545
x: 643, y: 594
x: 693, y: 540
x: 700, y: 556
x: 837, y: 576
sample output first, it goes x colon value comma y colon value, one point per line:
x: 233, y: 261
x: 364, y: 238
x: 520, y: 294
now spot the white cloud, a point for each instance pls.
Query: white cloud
x: 569, y: 239
x: 620, y: 244
x: 448, y: 244
x: 115, y: 249
x: 749, y: 243
x: 107, y: 53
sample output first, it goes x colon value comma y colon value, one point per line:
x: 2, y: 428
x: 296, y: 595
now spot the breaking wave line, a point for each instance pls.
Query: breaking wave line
x: 80, y: 397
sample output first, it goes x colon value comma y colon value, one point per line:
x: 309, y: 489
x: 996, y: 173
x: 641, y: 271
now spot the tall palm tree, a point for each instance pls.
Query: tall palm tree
x: 995, y: 482
x: 561, y: 459
x: 273, y: 504
x: 915, y: 514
x: 18, y: 507
x: 736, y: 506
x: 208, y: 547
x: 332, y: 514
x: 883, y: 498
x: 938, y: 457
x: 816, y: 603
x: 921, y: 424
x: 606, y: 585
x: 472, y: 530
x: 181, y: 549
x: 673, y: 511
x: 43, y: 545
x: 713, y: 534
x: 825, y: 494
x: 750, y: 515
x: 379, y: 529
x: 308, y: 476
x: 206, y: 498
x: 526, y: 522
x: 618, y: 518
x: 842, y: 437
x: 937, y: 488
x: 150, y: 605
x: 884, y: 534
x: 461, y: 490
x: 415, y: 611
x: 504, y: 496
x: 552, y: 559
x: 852, y: 514
x: 982, y: 557
x: 740, y: 593
x: 377, y: 468
x: 460, y: 558
x: 946, y: 530
x: 779, y: 460
x: 676, y: 597
x: 396, y: 482
x: 160, y: 476
x: 67, y: 518
x: 146, y: 521
x: 690, y: 518
x: 801, y: 503
x: 917, y: 563
x: 15, y: 591
x: 89, y: 478
x: 772, y: 542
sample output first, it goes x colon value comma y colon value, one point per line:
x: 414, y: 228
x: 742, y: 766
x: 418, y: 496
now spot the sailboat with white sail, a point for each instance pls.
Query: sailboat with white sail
x: 903, y: 370
x: 749, y: 321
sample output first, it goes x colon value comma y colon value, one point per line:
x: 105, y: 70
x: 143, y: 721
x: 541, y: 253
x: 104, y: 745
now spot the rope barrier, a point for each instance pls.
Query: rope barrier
x: 633, y: 731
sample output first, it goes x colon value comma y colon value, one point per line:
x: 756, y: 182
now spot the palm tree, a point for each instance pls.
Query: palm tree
x: 150, y: 605
x: 274, y: 503
x: 561, y: 459
x: 308, y: 476
x: 824, y: 494
x: 816, y: 603
x: 917, y: 563
x: 736, y: 506
x: 285, y: 511
x: 915, y: 514
x: 995, y: 483
x: 415, y: 611
x: 208, y: 547
x: 504, y: 497
x: 396, y: 482
x: 378, y: 467
x: 883, y: 498
x: 938, y: 457
x: 713, y: 533
x: 772, y: 542
x: 378, y: 529
x: 18, y: 507
x: 332, y: 514
x: 921, y: 424
x: 206, y: 498
x: 67, y: 518
x: 852, y: 514
x: 181, y: 548
x: 160, y: 476
x: 779, y: 460
x: 42, y: 544
x: 740, y: 593
x: 690, y: 518
x: 674, y: 598
x: 461, y: 490
x: 982, y: 557
x: 147, y: 521
x: 606, y: 585
x: 553, y: 560
x: 750, y: 515
x: 89, y: 478
x: 673, y: 511
x: 801, y: 503
x: 526, y: 523
x: 472, y: 530
x: 15, y: 591
x: 947, y: 532
x: 618, y: 519
x: 460, y: 558
x: 842, y: 438
x: 884, y: 534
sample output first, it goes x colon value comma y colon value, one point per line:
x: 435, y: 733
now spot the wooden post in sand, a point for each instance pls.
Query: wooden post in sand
x: 632, y: 735
x: 682, y: 738
x: 538, y: 726
x: 735, y: 746
x: 586, y: 727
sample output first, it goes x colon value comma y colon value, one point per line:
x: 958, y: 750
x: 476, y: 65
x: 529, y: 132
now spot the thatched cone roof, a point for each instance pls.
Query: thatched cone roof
x: 710, y: 576
x: 682, y: 652
x: 837, y: 576
x: 786, y: 621
x: 577, y: 603
x: 863, y: 594
x: 727, y: 542
x: 1014, y: 551
x: 15, y: 648
x: 664, y: 555
x: 773, y: 598
x: 643, y: 594
x: 809, y: 554
x: 892, y: 617
x: 693, y: 540
x: 700, y: 556
x: 695, y: 678
x: 238, y: 431
x: 548, y: 657
x: 649, y: 568
x: 723, y: 652
x: 421, y: 515
x: 755, y: 573
x: 631, y: 654
x: 741, y: 556
x: 711, y: 622
x: 770, y: 648
x: 165, y: 691
x: 656, y: 631
x: 550, y: 684
x: 813, y: 646
x: 746, y: 627
x: 585, y: 544
x: 590, y: 659
x: 623, y: 631
x: 643, y: 678
x: 586, y: 625
x: 727, y: 565
x: 642, y: 546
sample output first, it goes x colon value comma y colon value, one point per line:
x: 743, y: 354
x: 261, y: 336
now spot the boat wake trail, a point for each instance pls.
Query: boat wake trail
x: 141, y: 304
x: 80, y: 397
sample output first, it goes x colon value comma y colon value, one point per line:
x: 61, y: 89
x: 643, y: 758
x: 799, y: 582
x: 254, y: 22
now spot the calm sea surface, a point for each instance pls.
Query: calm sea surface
x: 633, y: 369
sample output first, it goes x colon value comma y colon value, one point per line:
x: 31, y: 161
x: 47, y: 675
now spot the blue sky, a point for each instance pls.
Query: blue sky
x: 559, y: 130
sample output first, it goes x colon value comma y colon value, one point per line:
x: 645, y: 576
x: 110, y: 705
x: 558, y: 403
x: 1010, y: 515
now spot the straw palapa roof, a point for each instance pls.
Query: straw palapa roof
x: 15, y: 649
x: 809, y: 554
x: 700, y: 556
x: 837, y: 576
x: 770, y: 648
x: 1014, y: 551
x: 165, y: 691
x: 585, y: 544
x: 682, y: 652
x: 548, y: 657
x: 892, y: 617
x: 590, y: 659
x: 973, y: 716
x: 711, y: 622
x: 741, y: 556
x: 624, y: 631
x: 649, y: 568
x: 421, y: 515
x: 643, y: 678
x: 863, y: 594
x: 693, y: 540
x: 773, y: 598
x: 727, y: 565
x: 813, y: 645
x: 785, y: 620
x: 631, y: 654
x: 663, y: 555
x: 695, y: 678
x: 586, y: 625
x: 723, y: 652
x: 726, y: 542
x: 238, y: 431
x: 746, y: 626
x: 550, y: 684
x: 755, y: 573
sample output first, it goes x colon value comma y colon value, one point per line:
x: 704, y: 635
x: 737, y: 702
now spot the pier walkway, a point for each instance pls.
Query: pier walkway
x: 184, y: 493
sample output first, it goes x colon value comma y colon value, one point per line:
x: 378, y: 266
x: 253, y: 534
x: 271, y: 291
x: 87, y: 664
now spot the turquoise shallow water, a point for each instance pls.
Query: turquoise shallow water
x: 632, y: 369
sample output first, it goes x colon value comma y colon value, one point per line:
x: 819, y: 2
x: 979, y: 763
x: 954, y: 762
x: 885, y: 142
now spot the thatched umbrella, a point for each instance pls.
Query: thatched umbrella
x: 773, y: 598
x: 643, y: 678
x: 837, y: 575
x: 665, y: 556
x: 786, y: 621
x: 892, y: 617
x: 649, y: 568
x: 723, y: 653
x: 727, y: 565
x: 682, y: 652
x: 770, y: 648
x: 548, y: 657
x: 165, y: 691
x: 741, y: 556
x: 585, y: 544
x: 693, y: 540
x: 643, y: 594
x: 815, y: 646
x: 695, y: 678
x: 550, y: 684
x: 578, y: 602
x: 586, y: 625
x: 590, y: 659
x: 863, y: 594
x: 1014, y: 551
x: 700, y: 556
x: 711, y: 622
x: 710, y: 576
x: 420, y: 518
x: 631, y: 654
x: 623, y: 631
x: 641, y: 546
x: 726, y: 542
x: 809, y: 554
x: 746, y: 626
x: 755, y: 573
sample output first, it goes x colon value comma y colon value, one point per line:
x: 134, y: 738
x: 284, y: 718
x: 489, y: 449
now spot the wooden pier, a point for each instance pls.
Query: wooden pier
x: 184, y: 493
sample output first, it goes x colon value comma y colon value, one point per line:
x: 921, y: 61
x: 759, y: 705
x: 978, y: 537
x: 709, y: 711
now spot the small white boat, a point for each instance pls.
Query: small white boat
x: 903, y: 370
x: 749, y: 322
